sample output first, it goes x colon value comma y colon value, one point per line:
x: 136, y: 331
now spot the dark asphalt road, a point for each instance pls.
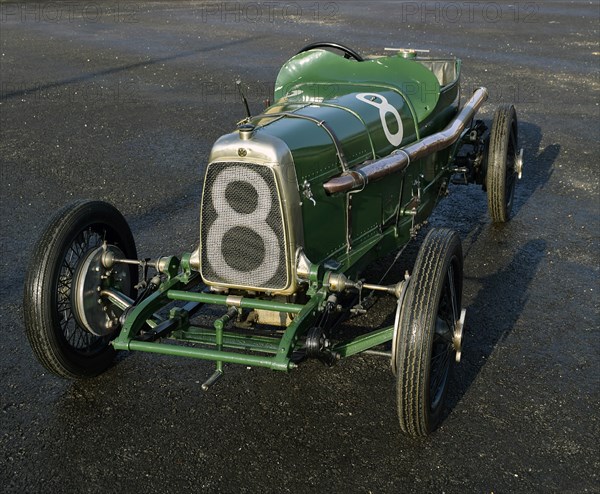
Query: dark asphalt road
x: 122, y: 101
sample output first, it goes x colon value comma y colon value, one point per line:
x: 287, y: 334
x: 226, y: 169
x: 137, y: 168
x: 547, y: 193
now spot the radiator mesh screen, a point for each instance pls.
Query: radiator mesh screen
x: 242, y: 228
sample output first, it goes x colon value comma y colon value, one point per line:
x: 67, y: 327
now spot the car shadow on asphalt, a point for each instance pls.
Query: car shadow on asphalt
x: 538, y: 164
x: 537, y: 170
x: 504, y: 292
x: 506, y: 288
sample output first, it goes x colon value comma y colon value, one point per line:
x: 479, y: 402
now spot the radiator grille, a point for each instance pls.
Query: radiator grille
x: 243, y: 237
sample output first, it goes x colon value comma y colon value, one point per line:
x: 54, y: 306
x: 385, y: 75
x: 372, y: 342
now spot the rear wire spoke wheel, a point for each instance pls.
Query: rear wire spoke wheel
x: 427, y: 323
x: 502, y: 166
x: 59, y: 340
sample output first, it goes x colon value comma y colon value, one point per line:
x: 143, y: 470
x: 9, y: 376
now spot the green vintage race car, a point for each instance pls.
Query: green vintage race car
x: 342, y: 169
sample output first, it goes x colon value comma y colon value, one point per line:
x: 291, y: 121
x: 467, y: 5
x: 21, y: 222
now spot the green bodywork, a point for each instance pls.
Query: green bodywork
x: 325, y: 86
x: 351, y: 229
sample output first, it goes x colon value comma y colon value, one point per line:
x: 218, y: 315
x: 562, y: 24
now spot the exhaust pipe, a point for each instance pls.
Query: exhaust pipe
x: 399, y: 159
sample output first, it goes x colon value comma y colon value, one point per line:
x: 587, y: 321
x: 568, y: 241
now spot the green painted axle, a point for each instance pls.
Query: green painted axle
x: 246, y: 303
x: 253, y: 343
x: 364, y: 342
x: 204, y: 354
x: 280, y: 349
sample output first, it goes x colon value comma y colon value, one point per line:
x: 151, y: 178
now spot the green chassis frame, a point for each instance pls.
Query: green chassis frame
x: 278, y: 350
x: 274, y: 352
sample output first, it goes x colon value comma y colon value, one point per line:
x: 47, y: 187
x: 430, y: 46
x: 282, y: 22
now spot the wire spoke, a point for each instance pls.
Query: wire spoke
x: 77, y: 337
x: 439, y: 368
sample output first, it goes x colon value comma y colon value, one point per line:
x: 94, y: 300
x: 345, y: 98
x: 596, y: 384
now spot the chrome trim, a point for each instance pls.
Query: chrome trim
x: 162, y: 264
x: 519, y: 164
x: 233, y: 301
x: 303, y: 265
x: 195, y: 259
x: 400, y: 159
x: 457, y: 336
x: 121, y: 300
x: 266, y: 150
x: 246, y: 131
x: 402, y: 288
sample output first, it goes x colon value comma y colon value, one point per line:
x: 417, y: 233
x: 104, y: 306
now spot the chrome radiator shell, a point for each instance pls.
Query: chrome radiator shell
x: 250, y: 163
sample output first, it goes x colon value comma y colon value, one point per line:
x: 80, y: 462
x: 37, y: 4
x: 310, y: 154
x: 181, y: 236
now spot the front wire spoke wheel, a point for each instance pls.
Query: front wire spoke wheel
x: 63, y: 327
x: 78, y: 337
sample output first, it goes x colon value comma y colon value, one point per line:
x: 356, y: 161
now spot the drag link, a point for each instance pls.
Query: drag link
x: 338, y: 282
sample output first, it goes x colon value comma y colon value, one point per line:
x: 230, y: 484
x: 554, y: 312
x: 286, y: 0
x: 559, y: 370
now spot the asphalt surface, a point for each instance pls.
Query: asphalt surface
x: 122, y: 101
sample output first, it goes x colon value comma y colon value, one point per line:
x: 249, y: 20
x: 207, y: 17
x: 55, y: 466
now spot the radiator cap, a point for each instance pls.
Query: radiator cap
x: 246, y: 131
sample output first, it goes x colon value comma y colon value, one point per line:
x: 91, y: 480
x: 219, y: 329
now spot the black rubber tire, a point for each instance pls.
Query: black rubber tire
x: 349, y: 53
x: 58, y: 341
x: 422, y: 354
x: 501, y: 174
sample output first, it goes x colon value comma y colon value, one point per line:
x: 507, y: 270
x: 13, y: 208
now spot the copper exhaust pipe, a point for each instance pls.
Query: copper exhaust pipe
x: 400, y: 158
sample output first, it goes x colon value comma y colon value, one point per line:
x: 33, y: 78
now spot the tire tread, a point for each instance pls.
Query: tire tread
x: 415, y: 335
x: 504, y: 119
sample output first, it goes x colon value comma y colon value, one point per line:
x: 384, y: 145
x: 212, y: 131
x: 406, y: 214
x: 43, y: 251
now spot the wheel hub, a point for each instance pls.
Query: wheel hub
x: 519, y: 164
x: 452, y: 335
x: 400, y: 294
x: 94, y: 313
x: 457, y: 336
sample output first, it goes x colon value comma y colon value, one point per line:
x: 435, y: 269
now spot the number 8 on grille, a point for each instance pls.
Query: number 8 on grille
x: 242, y: 230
